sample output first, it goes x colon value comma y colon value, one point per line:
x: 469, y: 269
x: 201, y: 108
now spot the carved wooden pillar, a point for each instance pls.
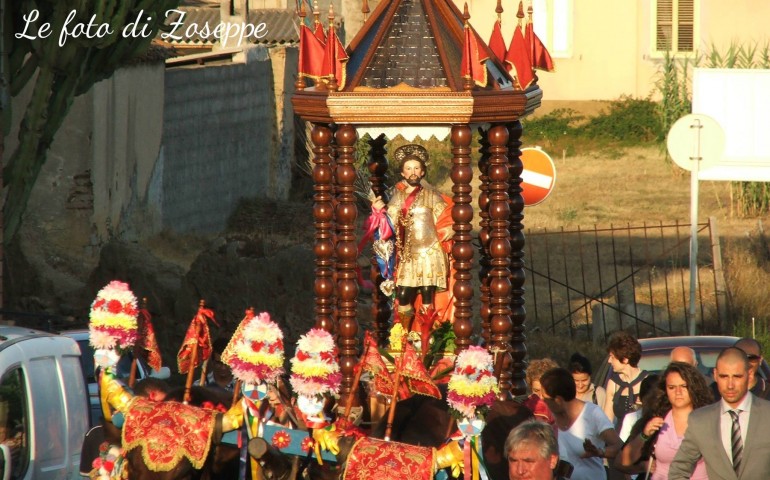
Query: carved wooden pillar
x: 378, y: 167
x: 323, y: 214
x: 516, y: 228
x: 499, y: 252
x: 484, y: 259
x: 462, y: 250
x: 347, y: 253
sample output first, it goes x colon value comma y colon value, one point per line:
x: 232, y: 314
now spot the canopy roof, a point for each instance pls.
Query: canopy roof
x: 404, y: 67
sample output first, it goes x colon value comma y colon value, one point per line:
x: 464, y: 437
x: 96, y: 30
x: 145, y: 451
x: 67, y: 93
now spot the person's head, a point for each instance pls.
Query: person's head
x: 684, y: 355
x: 753, y: 352
x: 732, y: 375
x: 558, y: 388
x: 580, y: 368
x: 152, y: 388
x: 648, y: 386
x: 222, y: 373
x: 535, y: 370
x: 532, y: 451
x: 624, y: 351
x: 683, y: 387
x: 412, y: 162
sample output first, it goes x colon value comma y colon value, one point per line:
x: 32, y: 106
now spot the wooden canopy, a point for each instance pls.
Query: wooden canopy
x: 404, y: 70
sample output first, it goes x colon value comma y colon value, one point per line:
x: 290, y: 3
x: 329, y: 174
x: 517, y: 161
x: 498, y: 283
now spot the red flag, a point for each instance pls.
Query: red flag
x: 374, y: 364
x: 311, y: 54
x: 538, y: 54
x: 319, y: 33
x: 147, y: 346
x: 518, y: 58
x: 415, y: 375
x: 472, y: 62
x: 335, y: 57
x: 198, y: 331
x: 497, y: 43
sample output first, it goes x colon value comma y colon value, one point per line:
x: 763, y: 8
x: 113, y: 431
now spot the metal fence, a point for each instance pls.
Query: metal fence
x: 589, y: 283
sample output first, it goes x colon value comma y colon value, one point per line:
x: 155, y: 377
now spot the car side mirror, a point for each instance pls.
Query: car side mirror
x: 163, y: 374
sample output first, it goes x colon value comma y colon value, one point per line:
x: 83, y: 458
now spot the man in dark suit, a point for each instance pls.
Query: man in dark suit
x: 730, y: 435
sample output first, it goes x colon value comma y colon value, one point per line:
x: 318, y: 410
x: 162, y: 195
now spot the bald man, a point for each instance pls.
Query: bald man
x: 730, y: 435
x: 753, y: 349
x: 684, y: 355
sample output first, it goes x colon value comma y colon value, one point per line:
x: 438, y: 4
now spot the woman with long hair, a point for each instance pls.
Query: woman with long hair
x: 661, y: 429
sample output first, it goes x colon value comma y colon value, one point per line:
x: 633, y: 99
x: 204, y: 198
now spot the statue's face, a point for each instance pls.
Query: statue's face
x: 106, y: 357
x: 412, y: 172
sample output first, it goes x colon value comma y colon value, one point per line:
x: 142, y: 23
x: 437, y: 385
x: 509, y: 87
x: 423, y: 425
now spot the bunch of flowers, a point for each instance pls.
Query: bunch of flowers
x: 255, y: 352
x: 113, y: 318
x: 472, y: 387
x: 109, y: 464
x: 396, y: 338
x: 315, y: 369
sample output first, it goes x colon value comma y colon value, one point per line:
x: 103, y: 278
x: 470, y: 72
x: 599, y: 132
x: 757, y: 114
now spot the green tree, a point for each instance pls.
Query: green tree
x: 61, y: 70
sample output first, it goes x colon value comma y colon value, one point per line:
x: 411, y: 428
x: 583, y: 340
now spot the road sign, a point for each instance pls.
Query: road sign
x: 696, y: 142
x: 538, y: 176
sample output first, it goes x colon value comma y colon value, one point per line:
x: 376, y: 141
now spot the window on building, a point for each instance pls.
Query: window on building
x: 675, y: 26
x: 552, y: 20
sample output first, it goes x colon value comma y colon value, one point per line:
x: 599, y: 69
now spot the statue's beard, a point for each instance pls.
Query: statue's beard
x: 413, y: 180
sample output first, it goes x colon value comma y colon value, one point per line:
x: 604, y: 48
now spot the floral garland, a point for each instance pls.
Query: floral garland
x: 109, y: 464
x: 113, y: 318
x: 315, y: 369
x: 255, y: 352
x: 396, y: 338
x: 472, y: 387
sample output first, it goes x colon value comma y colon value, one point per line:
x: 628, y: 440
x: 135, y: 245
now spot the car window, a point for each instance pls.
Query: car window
x: 14, y: 421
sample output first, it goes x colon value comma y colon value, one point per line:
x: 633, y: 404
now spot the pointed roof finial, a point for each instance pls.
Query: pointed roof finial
x: 365, y: 9
x: 499, y: 9
x: 316, y: 11
x: 466, y: 14
x: 520, y: 13
x: 331, y: 14
x: 302, y: 13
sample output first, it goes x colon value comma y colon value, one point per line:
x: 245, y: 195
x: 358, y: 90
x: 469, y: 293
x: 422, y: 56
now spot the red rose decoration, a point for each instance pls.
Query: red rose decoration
x: 114, y: 306
x: 97, y: 463
x: 98, y: 303
x: 281, y: 439
x: 108, y: 465
x: 307, y: 444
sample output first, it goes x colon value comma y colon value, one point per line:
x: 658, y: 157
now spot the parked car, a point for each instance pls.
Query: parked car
x: 656, y: 353
x: 123, y: 371
x: 43, y: 405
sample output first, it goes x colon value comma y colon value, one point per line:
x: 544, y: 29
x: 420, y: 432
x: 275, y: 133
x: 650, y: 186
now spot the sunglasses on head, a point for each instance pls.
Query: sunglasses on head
x: 753, y: 358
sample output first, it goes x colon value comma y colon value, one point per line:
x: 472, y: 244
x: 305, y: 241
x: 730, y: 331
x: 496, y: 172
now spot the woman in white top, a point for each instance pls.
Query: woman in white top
x: 580, y: 368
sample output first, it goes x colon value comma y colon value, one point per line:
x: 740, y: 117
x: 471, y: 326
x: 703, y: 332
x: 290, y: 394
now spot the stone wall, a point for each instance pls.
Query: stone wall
x: 221, y: 142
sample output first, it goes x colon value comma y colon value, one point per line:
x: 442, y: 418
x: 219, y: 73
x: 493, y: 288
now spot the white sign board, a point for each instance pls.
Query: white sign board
x: 739, y: 100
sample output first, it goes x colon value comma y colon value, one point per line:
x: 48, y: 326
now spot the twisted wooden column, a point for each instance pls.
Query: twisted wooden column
x: 462, y: 250
x: 347, y: 253
x: 378, y: 167
x: 484, y: 265
x: 516, y: 228
x: 323, y: 214
x: 499, y: 252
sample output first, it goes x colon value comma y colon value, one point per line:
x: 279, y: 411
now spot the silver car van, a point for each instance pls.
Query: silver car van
x: 43, y: 405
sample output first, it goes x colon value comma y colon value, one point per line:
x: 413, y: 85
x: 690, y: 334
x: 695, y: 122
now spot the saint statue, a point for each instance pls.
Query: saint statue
x: 420, y: 218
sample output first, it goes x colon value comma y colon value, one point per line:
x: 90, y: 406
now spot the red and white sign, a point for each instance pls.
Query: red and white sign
x: 538, y: 176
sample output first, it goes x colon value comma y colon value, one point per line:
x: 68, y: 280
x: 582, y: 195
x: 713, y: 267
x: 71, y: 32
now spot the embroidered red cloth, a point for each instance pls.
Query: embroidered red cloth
x: 168, y: 432
x: 372, y: 458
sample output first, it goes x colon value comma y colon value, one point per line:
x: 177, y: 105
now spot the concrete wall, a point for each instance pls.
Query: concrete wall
x: 221, y: 141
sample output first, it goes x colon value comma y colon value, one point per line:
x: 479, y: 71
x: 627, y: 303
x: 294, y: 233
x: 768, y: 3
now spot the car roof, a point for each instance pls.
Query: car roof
x: 78, y: 334
x: 11, y: 333
x: 668, y: 343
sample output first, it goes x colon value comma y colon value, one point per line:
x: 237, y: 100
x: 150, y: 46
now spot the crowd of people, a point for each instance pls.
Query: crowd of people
x: 676, y: 425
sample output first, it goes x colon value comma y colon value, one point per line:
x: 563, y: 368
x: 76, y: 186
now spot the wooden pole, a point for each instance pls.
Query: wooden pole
x: 394, y: 398
x: 236, y: 392
x: 132, y: 375
x: 356, y: 379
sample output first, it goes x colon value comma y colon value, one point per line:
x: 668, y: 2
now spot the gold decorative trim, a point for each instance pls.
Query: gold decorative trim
x: 427, y: 107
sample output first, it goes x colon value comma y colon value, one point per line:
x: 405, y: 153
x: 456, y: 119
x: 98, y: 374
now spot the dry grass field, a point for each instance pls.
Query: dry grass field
x: 633, y: 186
